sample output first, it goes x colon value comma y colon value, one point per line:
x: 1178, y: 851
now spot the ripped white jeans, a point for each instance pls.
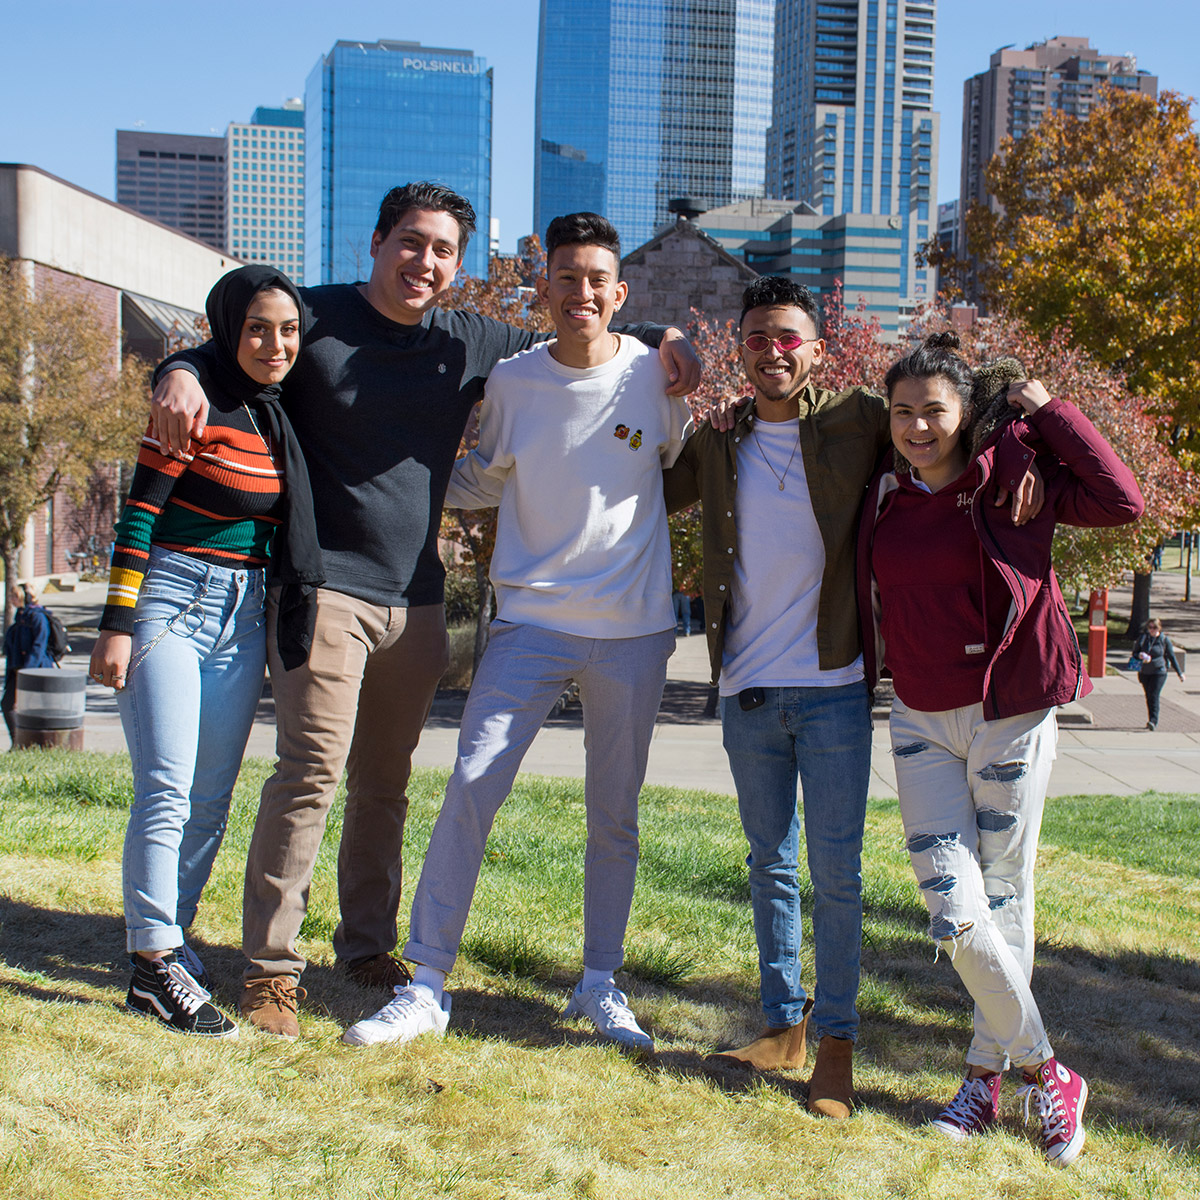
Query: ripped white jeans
x: 971, y: 797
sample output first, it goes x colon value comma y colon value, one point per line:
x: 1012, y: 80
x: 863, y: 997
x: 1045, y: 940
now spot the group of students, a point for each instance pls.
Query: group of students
x: 302, y: 532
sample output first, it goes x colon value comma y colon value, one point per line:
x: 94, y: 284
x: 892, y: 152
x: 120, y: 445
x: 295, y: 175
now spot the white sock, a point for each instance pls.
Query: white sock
x: 593, y: 978
x: 435, y: 981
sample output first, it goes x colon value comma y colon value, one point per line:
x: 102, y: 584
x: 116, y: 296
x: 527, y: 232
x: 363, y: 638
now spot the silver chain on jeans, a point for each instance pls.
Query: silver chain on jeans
x: 140, y: 656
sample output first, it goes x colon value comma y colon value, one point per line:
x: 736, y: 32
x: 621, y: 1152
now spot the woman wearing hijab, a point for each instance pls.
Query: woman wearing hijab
x: 183, y: 635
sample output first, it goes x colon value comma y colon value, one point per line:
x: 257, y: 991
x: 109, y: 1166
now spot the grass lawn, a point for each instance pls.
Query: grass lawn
x: 516, y: 1102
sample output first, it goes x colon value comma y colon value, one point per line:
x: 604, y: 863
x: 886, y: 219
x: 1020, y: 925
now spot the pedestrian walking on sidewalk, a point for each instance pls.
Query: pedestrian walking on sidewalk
x: 962, y: 604
x: 27, y: 645
x: 1154, y: 653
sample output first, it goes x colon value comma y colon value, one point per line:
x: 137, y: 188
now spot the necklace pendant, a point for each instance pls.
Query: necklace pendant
x: 781, y: 485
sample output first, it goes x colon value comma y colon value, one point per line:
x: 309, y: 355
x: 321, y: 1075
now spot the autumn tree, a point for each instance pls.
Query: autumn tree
x: 66, y: 402
x: 1099, y: 233
x: 507, y: 295
x: 855, y: 353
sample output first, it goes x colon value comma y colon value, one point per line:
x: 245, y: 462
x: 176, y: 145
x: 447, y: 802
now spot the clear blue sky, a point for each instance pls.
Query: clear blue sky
x: 75, y: 71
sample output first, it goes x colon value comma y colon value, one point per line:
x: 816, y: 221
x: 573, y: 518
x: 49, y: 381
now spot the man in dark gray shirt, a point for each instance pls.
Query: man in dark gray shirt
x: 378, y: 399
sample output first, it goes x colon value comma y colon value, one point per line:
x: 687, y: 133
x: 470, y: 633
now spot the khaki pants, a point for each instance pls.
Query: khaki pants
x: 359, y: 703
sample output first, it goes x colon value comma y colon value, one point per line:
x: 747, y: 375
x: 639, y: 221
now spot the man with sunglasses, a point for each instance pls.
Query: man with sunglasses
x: 780, y: 489
x: 780, y: 494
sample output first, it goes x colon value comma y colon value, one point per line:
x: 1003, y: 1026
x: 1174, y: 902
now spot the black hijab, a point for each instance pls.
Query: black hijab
x: 295, y: 556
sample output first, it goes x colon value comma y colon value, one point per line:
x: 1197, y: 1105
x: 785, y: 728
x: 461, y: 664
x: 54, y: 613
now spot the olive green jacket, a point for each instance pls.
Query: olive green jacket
x: 841, y: 436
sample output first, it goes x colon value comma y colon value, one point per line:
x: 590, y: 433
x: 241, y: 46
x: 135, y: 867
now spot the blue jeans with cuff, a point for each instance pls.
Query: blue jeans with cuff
x: 820, y: 736
x: 196, y: 675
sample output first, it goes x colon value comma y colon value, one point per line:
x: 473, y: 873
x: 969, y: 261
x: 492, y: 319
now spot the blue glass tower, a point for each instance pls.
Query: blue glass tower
x: 853, y: 128
x: 641, y: 101
x: 382, y: 114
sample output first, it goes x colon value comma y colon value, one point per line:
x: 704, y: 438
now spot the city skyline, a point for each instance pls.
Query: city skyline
x: 853, y: 126
x: 683, y: 89
x: 65, y: 120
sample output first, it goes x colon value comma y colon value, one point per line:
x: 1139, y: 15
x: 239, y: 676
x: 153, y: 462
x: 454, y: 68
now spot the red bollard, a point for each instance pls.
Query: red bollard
x: 1097, y: 633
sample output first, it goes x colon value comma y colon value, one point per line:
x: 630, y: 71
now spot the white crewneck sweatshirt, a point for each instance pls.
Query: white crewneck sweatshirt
x: 574, y: 458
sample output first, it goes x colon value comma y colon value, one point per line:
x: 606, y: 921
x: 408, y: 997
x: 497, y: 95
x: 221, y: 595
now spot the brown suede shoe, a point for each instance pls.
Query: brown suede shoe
x: 378, y: 971
x: 270, y: 1005
x: 831, y: 1089
x: 773, y: 1050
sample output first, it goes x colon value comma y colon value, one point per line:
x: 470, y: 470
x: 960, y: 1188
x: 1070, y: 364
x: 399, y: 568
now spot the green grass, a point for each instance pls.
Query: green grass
x: 1160, y: 834
x: 517, y: 1101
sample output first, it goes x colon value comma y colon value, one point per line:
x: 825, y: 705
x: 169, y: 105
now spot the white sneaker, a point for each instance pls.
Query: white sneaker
x: 412, y: 1012
x: 608, y: 1009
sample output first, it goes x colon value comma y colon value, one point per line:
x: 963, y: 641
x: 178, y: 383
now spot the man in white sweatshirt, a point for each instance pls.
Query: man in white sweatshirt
x: 573, y: 437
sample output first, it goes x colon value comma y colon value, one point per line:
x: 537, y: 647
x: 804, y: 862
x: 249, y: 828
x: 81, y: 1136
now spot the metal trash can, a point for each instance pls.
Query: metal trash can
x: 49, y: 708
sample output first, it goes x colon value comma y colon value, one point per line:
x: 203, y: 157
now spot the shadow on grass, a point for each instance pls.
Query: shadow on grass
x: 1128, y: 1021
x: 88, y: 950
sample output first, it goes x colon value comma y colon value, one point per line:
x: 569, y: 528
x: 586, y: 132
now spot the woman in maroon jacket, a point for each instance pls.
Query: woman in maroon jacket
x: 962, y: 605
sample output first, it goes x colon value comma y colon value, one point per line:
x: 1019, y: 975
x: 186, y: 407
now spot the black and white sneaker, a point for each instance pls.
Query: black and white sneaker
x: 167, y: 992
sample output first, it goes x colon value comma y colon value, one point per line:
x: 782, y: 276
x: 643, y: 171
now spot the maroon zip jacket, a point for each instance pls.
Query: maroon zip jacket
x: 1037, y: 663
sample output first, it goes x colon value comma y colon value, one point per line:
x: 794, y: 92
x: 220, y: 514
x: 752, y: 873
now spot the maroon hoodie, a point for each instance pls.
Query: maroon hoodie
x: 1037, y: 663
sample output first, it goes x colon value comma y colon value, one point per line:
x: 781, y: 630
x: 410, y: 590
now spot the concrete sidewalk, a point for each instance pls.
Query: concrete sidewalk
x: 1113, y: 754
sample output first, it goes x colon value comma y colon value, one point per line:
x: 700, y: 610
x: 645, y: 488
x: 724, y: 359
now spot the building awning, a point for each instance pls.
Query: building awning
x: 169, y: 319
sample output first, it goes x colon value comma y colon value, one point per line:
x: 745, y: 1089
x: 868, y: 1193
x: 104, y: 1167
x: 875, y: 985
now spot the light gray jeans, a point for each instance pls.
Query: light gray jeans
x: 972, y: 794
x: 523, y: 672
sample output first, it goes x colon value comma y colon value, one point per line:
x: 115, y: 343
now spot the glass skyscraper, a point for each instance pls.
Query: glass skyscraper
x: 853, y: 128
x: 642, y: 101
x: 382, y: 114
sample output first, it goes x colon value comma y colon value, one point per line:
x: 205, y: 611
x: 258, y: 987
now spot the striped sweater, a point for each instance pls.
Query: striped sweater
x: 220, y: 504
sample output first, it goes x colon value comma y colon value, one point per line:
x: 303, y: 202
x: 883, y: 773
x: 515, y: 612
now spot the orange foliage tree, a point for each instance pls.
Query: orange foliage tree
x: 1100, y: 233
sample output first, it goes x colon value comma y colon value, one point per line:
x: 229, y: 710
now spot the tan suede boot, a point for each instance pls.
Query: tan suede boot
x: 831, y: 1089
x: 773, y: 1050
x: 270, y: 1005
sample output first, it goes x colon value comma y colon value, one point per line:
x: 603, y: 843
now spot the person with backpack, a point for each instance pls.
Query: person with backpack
x: 28, y: 643
x: 1154, y: 653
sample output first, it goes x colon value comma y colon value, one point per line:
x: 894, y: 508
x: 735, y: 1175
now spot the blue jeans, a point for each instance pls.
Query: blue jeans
x: 822, y: 735
x: 197, y: 669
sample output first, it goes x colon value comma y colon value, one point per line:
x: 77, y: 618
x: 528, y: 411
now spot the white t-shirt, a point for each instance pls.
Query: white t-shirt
x: 574, y: 458
x: 771, y: 635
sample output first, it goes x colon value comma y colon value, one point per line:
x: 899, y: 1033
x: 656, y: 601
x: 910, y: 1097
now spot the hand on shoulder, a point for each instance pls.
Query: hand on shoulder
x: 1028, y: 395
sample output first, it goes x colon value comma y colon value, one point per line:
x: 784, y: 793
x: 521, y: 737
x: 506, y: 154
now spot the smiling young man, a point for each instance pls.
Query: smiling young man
x: 573, y: 437
x: 780, y: 493
x: 378, y: 398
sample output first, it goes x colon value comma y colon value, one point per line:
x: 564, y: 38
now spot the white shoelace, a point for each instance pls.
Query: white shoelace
x: 183, y: 989
x: 1049, y: 1108
x: 972, y: 1100
x: 407, y: 1000
x: 613, y: 1003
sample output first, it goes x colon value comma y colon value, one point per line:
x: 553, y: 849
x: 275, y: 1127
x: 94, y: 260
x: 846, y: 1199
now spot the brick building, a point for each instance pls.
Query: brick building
x: 679, y: 269
x: 145, y: 281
